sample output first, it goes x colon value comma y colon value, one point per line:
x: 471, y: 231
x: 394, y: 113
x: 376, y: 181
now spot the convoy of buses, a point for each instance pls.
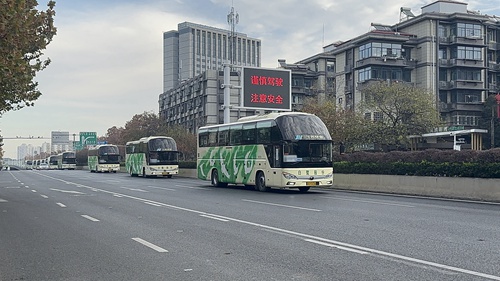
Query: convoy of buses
x: 287, y: 150
x: 62, y: 161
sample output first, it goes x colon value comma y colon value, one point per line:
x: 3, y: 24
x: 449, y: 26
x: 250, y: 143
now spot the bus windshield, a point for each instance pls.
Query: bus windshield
x: 108, y: 150
x: 163, y: 158
x: 109, y: 159
x: 162, y: 144
x: 53, y: 160
x: 302, y: 127
x: 308, y: 154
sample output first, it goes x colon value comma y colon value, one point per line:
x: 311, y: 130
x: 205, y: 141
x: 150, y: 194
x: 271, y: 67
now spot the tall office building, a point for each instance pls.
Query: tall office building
x: 194, y: 49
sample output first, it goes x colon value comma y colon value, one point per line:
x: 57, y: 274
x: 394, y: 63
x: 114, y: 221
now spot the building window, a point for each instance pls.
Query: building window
x: 461, y: 119
x: 364, y: 74
x: 443, y: 33
x: 468, y: 30
x: 219, y: 49
x: 382, y: 73
x: 204, y: 43
x: 468, y: 97
x: 468, y: 75
x: 253, y: 53
x: 376, y: 49
x: 466, y: 52
x: 198, y: 42
x: 224, y: 43
x: 378, y: 116
x: 442, y: 54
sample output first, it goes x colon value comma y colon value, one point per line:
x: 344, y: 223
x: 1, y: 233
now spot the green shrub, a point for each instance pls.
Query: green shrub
x: 432, y: 162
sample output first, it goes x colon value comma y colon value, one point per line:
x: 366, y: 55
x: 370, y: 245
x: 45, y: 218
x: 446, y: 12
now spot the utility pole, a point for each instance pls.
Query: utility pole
x: 232, y: 20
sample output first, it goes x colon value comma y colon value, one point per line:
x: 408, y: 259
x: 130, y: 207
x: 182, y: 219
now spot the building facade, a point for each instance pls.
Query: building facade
x: 195, y: 48
x: 448, y: 50
x: 198, y: 101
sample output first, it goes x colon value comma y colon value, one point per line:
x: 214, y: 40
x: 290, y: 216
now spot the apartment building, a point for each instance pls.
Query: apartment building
x: 452, y: 52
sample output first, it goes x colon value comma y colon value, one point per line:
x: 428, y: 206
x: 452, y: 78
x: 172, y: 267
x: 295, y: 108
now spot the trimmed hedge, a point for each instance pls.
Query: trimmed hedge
x: 446, y: 163
x: 187, y: 165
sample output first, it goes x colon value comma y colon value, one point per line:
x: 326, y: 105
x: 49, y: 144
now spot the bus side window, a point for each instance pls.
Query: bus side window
x: 264, y: 132
x: 212, y: 137
x: 248, y: 133
x: 223, y: 136
x: 203, y: 138
x: 235, y: 135
x: 275, y: 133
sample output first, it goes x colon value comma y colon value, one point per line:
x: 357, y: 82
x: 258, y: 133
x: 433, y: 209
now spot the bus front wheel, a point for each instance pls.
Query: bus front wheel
x: 215, y: 179
x: 260, y: 182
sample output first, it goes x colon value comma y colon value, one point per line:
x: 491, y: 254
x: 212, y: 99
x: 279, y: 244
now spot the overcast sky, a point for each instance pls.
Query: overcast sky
x: 107, y: 54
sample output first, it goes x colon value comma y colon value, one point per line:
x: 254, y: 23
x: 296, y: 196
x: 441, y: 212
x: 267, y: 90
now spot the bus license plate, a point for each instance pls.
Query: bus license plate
x: 165, y: 173
x: 312, y: 183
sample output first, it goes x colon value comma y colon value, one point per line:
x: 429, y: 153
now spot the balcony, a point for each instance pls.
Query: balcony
x: 493, y: 88
x: 461, y: 85
x: 469, y: 41
x: 448, y: 107
x: 387, y: 61
x: 494, y: 46
x: 461, y: 63
x: 493, y: 66
x: 367, y: 83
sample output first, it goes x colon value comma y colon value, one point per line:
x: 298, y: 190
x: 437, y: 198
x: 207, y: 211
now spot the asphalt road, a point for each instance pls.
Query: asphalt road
x: 77, y: 225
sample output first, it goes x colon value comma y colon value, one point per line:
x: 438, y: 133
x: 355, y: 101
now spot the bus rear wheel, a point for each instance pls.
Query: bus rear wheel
x: 132, y: 174
x: 215, y: 179
x: 260, y: 182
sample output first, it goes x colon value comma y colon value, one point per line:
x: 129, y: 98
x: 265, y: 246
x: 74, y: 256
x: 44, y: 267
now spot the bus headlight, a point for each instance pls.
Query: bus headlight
x: 289, y: 176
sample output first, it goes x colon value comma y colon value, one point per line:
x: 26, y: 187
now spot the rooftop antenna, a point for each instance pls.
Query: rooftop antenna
x: 232, y: 19
x: 323, y: 43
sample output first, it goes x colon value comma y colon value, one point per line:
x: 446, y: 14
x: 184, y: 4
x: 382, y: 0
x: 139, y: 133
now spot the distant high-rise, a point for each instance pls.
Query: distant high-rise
x: 194, y: 48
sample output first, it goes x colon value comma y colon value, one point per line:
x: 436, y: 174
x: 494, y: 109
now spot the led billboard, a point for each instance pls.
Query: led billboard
x: 268, y: 89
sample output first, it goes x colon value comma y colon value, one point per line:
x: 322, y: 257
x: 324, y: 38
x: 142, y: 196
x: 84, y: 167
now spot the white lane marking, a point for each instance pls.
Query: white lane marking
x: 281, y: 205
x: 335, y: 246
x: 164, y: 188
x: 150, y: 245
x: 132, y: 189
x: 33, y: 190
x: 44, y: 196
x: 192, y: 187
x: 61, y: 205
x: 67, y: 191
x: 423, y: 197
x: 152, y: 204
x: 369, y: 201
x: 90, y: 218
x: 214, y: 218
x: 3, y: 200
x: 308, y: 236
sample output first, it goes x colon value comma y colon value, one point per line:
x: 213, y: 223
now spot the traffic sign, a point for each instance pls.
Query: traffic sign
x: 88, y: 138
